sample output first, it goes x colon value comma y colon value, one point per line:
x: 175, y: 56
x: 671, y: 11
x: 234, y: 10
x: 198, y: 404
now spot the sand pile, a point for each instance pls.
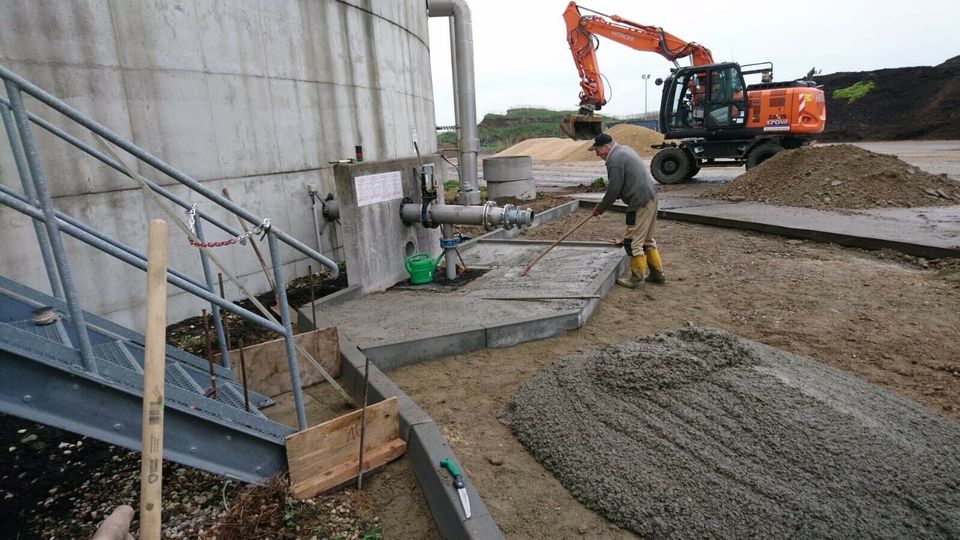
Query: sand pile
x: 696, y: 433
x: 840, y: 176
x: 557, y: 149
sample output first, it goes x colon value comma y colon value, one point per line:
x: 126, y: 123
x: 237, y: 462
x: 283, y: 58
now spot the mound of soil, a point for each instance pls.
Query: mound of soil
x: 905, y: 103
x: 840, y: 176
x: 697, y: 433
x: 556, y: 149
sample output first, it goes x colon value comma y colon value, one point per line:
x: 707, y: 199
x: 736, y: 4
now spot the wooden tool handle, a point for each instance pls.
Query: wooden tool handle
x: 151, y: 464
x: 553, y: 245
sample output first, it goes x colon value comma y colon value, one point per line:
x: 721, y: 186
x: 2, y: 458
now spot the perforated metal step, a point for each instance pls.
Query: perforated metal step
x: 117, y: 354
x: 54, y: 332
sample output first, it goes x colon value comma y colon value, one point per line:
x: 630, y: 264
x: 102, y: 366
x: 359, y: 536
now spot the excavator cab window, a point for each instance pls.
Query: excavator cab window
x: 689, y: 95
x: 726, y: 103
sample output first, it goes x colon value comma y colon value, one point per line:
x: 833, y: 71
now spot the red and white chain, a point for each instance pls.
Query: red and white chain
x: 263, y: 226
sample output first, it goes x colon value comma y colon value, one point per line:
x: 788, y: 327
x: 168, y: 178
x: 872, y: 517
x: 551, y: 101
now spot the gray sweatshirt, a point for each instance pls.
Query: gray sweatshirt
x: 628, y: 180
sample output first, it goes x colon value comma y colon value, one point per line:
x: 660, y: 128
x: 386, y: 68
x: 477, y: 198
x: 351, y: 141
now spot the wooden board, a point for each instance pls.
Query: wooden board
x: 325, y: 456
x: 267, y: 368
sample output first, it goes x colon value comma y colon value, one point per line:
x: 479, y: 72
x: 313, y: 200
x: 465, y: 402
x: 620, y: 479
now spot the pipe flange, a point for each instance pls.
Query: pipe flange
x: 507, y: 210
x: 450, y: 243
x: 405, y: 201
x: 425, y: 215
x: 485, y: 216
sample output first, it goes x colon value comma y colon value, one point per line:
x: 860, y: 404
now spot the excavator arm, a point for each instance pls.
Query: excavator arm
x: 582, y: 36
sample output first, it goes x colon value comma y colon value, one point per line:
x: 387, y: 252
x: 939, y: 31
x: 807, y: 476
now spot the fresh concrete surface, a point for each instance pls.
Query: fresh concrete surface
x: 930, y: 232
x: 500, y: 308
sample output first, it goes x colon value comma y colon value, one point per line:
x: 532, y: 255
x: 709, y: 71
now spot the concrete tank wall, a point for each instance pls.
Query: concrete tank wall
x: 253, y: 95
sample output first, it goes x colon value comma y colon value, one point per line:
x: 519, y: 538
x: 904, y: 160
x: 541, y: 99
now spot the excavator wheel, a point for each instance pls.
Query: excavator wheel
x: 671, y: 165
x: 582, y: 127
x: 762, y: 153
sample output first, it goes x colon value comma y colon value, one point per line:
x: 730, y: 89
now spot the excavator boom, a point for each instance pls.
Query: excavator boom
x: 582, y: 36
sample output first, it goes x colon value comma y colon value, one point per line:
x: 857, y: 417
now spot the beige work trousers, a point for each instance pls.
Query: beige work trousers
x: 641, y: 227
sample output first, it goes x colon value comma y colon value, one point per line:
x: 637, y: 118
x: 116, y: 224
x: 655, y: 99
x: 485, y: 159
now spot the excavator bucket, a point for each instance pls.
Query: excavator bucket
x: 581, y: 127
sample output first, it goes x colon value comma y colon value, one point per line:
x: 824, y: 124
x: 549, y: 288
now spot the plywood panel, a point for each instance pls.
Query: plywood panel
x: 267, y: 368
x: 324, y: 456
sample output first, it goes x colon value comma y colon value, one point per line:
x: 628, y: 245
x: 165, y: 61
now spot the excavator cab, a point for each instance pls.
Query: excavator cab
x: 702, y: 99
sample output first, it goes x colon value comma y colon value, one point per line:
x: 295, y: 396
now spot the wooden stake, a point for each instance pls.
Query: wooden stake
x: 226, y: 322
x: 553, y: 245
x: 151, y: 463
x: 363, y: 422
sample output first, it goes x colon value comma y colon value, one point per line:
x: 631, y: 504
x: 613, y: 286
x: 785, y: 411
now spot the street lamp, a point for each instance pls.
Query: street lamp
x: 646, y: 78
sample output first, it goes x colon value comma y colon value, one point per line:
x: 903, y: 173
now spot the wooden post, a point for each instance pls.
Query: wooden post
x: 151, y: 464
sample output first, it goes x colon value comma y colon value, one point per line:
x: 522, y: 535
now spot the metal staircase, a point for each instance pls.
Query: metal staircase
x: 80, y: 372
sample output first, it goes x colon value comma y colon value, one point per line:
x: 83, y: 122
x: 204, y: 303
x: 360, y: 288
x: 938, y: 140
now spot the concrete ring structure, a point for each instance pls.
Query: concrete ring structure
x: 509, y: 176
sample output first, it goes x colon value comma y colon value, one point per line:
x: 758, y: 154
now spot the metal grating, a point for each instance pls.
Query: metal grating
x: 53, y: 332
x: 232, y: 395
x: 177, y: 376
x: 116, y: 353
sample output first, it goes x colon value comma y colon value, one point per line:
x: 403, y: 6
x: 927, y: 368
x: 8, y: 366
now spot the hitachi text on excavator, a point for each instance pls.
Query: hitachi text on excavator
x: 708, y: 114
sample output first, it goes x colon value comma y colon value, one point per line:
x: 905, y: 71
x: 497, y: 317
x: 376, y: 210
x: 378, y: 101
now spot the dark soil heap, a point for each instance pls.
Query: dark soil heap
x: 920, y: 102
x: 696, y: 433
x: 840, y: 176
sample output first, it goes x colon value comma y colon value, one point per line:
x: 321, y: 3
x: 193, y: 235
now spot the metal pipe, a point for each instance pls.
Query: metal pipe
x: 106, y: 160
x: 487, y: 215
x: 214, y: 309
x: 466, y: 94
x: 138, y: 261
x: 287, y: 329
x: 153, y: 161
x: 53, y: 227
x: 22, y: 170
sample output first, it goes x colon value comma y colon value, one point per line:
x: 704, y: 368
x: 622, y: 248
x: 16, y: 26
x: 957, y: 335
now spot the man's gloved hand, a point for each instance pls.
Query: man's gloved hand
x: 597, y: 212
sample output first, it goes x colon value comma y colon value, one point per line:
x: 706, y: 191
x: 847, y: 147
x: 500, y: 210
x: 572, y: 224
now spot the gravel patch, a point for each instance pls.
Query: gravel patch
x: 698, y: 433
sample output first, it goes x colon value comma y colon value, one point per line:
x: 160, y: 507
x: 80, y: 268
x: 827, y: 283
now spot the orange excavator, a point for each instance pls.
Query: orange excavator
x: 708, y: 114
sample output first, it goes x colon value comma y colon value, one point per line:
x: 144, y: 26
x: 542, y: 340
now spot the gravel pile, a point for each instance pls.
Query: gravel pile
x: 697, y: 433
x: 840, y: 176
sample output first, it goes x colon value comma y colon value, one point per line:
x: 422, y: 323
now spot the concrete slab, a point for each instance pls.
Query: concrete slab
x: 500, y: 308
x: 931, y: 232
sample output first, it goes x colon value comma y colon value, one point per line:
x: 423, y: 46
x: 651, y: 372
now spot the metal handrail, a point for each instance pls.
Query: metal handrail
x: 78, y: 117
x: 37, y: 203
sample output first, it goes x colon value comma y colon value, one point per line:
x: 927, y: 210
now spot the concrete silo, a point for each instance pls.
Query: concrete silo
x: 253, y: 95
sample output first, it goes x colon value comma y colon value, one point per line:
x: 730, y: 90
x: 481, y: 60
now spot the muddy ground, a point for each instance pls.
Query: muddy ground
x: 888, y: 319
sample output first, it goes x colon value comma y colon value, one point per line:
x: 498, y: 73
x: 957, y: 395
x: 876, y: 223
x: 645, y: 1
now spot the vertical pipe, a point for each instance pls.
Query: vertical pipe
x: 53, y: 227
x: 214, y: 309
x: 288, y: 337
x: 45, y: 252
x: 453, y: 66
x: 462, y: 39
x: 243, y: 377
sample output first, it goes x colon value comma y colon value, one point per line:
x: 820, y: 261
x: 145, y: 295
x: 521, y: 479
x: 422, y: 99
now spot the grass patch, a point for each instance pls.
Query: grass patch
x: 854, y: 92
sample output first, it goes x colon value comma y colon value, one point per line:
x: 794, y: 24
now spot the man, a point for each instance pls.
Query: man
x: 629, y: 181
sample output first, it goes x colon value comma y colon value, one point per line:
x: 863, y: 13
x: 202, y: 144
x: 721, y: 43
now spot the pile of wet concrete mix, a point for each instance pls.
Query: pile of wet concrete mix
x: 556, y: 149
x: 840, y: 176
x: 698, y: 433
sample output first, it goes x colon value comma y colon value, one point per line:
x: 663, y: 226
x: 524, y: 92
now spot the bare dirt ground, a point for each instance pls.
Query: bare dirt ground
x: 887, y: 319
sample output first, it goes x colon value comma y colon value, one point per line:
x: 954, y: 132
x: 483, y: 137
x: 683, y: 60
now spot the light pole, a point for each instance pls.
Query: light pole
x: 646, y: 79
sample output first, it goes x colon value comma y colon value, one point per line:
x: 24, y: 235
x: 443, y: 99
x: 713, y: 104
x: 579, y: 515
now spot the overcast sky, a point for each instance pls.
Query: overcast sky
x: 522, y: 57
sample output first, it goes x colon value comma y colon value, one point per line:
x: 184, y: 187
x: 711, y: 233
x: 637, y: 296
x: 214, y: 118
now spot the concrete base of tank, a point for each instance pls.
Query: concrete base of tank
x: 500, y: 308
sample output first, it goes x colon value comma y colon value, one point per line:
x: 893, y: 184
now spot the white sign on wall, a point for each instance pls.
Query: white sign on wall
x: 375, y: 188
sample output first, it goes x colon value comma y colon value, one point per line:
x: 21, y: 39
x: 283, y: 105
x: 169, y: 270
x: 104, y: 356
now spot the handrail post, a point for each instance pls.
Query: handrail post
x: 46, y: 253
x: 53, y: 227
x: 214, y: 308
x: 281, y: 293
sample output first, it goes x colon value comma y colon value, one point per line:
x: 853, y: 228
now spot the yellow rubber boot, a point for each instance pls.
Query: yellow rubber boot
x: 656, y: 266
x: 638, y: 268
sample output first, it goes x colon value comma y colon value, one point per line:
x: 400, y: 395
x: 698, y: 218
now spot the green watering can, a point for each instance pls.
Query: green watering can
x: 421, y: 267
